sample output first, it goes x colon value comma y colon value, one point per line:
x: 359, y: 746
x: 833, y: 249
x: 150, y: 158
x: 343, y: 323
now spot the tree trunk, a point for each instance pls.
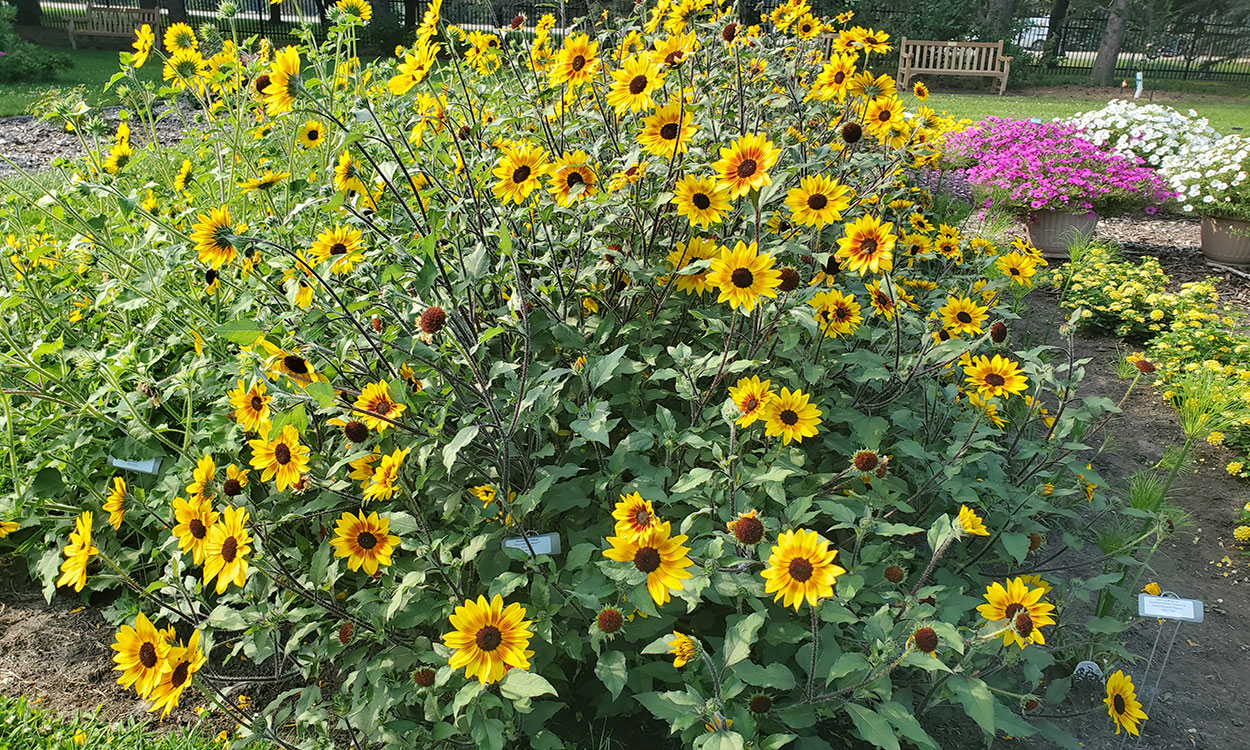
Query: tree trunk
x: 1054, y: 29
x: 410, y: 14
x: 177, y: 13
x: 1002, y: 18
x: 1112, y: 38
x: 28, y: 13
x: 275, y: 13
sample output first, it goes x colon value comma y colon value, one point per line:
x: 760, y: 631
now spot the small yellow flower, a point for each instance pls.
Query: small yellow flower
x: 1153, y: 589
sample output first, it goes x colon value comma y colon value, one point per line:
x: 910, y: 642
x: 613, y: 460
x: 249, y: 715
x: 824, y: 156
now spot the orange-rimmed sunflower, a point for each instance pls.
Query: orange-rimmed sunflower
x: 364, y: 540
x: 837, y: 314
x: 667, y: 133
x: 78, y: 553
x: 284, y: 82
x: 702, y: 200
x: 970, y: 523
x: 995, y: 377
x: 384, y: 482
x: 744, y: 164
x: 801, y: 567
x: 577, y: 62
x: 214, y: 237
x: 572, y: 178
x: 226, y: 549
x: 519, y: 171
x: 414, y: 68
x: 488, y: 639
x: 281, y: 458
x: 657, y: 554
x: 867, y: 246
x: 140, y: 657
x: 1019, y: 609
x: 920, y: 91
x: 362, y: 468
x: 751, y: 396
x: 791, y: 415
x: 960, y: 315
x: 881, y: 301
x: 817, y: 201
x: 685, y: 254
x: 743, y: 276
x: 634, y: 516
x: 376, y: 408
x: 633, y: 85
x: 251, y: 406
x: 194, y: 519
x: 114, y: 503
x: 183, y: 661
x: 1122, y: 704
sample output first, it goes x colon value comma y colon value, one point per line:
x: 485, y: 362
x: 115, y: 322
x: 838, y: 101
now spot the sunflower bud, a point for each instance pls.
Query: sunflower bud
x: 609, y: 620
x: 852, y: 132
x: 789, y: 280
x: 926, y: 640
x: 998, y: 332
x: 432, y: 320
x: 895, y: 574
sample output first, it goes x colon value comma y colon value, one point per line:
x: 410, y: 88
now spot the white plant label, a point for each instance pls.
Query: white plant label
x: 149, y: 466
x: 1169, y: 608
x: 542, y: 544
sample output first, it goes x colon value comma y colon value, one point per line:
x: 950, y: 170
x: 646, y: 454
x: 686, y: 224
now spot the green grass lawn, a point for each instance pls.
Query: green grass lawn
x: 24, y: 727
x: 92, y: 69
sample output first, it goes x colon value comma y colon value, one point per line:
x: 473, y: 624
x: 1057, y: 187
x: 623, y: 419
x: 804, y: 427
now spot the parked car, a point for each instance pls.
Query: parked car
x: 1032, y: 35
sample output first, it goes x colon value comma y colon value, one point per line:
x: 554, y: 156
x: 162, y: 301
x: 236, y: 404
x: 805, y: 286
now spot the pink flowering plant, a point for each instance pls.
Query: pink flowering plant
x: 1029, y: 166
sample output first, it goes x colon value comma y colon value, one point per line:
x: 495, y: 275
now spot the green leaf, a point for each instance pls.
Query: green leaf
x: 322, y: 391
x: 695, y: 478
x: 1016, y: 544
x: 242, y: 332
x: 907, y: 725
x: 719, y: 741
x: 293, y: 416
x: 1108, y: 625
x: 872, y: 727
x: 603, y: 367
x: 774, y: 675
x: 740, y: 635
x: 611, y: 672
x: 976, y: 700
x: 462, y: 438
x: 224, y: 618
x: 519, y: 683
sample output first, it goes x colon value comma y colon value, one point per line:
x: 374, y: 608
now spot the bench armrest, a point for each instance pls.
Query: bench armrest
x: 1006, y: 58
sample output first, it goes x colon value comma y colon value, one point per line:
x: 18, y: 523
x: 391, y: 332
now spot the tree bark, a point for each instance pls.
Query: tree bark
x: 28, y: 13
x: 177, y: 13
x: 1054, y: 29
x: 1112, y: 39
x: 1002, y: 17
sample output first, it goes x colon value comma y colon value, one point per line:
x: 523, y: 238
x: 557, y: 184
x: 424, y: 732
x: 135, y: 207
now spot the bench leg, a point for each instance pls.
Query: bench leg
x: 1002, y: 84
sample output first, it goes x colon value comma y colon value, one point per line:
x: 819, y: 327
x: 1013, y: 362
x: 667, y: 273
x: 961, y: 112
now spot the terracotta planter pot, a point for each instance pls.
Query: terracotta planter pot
x: 1053, y: 232
x: 1226, y: 241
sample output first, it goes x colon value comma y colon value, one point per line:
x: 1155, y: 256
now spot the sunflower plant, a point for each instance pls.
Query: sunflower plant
x: 527, y: 378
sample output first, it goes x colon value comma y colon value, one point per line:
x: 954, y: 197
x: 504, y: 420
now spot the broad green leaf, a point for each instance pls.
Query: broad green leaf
x: 741, y: 634
x: 462, y: 438
x: 776, y: 676
x: 872, y: 727
x: 602, y: 368
x: 242, y: 332
x: 518, y: 683
x: 977, y: 701
x: 611, y: 671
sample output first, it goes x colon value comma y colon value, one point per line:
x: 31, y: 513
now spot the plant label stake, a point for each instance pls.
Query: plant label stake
x: 542, y: 544
x: 1169, y: 606
x: 148, y: 466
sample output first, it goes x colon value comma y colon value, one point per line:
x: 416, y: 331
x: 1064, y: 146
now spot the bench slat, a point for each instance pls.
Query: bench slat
x: 953, y: 58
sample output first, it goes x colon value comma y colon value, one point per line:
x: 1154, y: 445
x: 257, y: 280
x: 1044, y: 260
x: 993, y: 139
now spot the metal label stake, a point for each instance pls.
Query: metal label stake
x: 1169, y: 606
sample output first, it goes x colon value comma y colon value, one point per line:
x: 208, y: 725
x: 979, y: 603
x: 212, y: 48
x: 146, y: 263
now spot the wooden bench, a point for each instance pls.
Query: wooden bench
x: 105, y: 20
x: 986, y: 59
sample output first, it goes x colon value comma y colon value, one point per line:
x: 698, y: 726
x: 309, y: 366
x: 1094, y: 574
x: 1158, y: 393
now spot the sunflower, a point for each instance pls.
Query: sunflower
x: 577, y: 62
x: 702, y: 200
x: 360, y: 9
x: 113, y: 503
x: 180, y: 37
x: 881, y: 301
x: 572, y: 178
x: 673, y: 49
x: 485, y: 493
x: 227, y: 545
x: 7, y: 527
x: 376, y: 407
x: 751, y: 396
x: 800, y: 567
x: 871, y: 40
x: 1019, y: 609
x: 347, y: 176
x: 685, y: 254
x: 202, y: 487
x: 282, y: 458
x: 920, y: 91
x: 870, y: 87
x: 338, y: 244
x: 144, y: 41
x: 519, y: 170
x: 284, y: 82
x: 140, y: 657
x: 667, y: 132
x: 790, y: 415
x: 683, y: 649
x: 662, y: 558
x: 413, y: 69
x: 634, y: 516
x: 634, y: 84
x: 884, y: 113
x: 962, y: 315
x: 364, y: 540
x: 183, y: 662
x: 744, y: 164
x: 995, y: 377
x: 807, y: 27
x: 817, y: 201
x: 1018, y: 267
x: 867, y: 246
x: 266, y: 181
x: 743, y: 275
x: 185, y: 176
x: 185, y: 69
x: 1122, y: 704
x: 195, y: 518
x: 969, y: 522
x: 362, y: 468
x: 832, y: 80
x: 214, y: 237
x: 251, y: 406
x: 78, y: 554
x: 385, y: 480
x: 311, y: 133
x: 488, y: 639
x: 429, y: 21
x: 837, y: 314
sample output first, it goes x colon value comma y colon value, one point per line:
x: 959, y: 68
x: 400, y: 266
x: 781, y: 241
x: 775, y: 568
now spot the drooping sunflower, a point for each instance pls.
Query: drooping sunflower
x: 960, y: 315
x: 832, y: 80
x: 751, y: 396
x: 744, y: 164
x: 144, y: 41
x: 8, y: 527
x: 311, y: 134
x: 281, y: 458
x: 364, y: 540
x: 485, y: 493
x: 362, y: 468
x: 487, y: 638
x: 202, y: 486
x: 180, y: 37
x: 251, y: 406
x: 214, y: 237
x: 817, y: 201
x: 414, y: 68
x: 1122, y: 704
x: 284, y: 82
x: 801, y: 567
x: 519, y: 172
x: 195, y: 518
x: 226, y: 549
x: 702, y: 200
x: 573, y: 178
x: 268, y: 180
x: 185, y: 176
x: 140, y: 657
x: 1019, y: 609
x: 384, y: 482
x: 743, y: 276
x: 995, y: 377
x: 657, y: 554
x: 970, y: 523
x: 119, y: 156
x: 634, y: 84
x: 1018, y: 267
x: 667, y: 133
x: 881, y: 301
x: 577, y: 62
x: 360, y: 9
x: 375, y: 406
x: 347, y: 175
x: 634, y: 516
x: 185, y: 69
x: 685, y: 254
x: 683, y: 649
x: 78, y: 554
x: 791, y: 415
x: 837, y: 314
x: 114, y: 503
x: 867, y: 246
x: 184, y: 661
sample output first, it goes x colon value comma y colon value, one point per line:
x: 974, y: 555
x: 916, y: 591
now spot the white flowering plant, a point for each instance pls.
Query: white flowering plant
x: 1151, y: 132
x: 1213, y: 180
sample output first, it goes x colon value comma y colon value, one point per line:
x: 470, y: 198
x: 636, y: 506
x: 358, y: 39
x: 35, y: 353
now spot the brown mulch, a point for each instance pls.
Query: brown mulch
x: 32, y: 144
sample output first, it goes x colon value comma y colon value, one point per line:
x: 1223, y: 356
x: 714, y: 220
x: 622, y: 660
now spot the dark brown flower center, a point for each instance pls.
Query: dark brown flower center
x: 638, y: 85
x: 839, y: 77
x: 841, y: 313
x: 147, y: 655
x: 1024, y: 623
x: 817, y: 201
x: 366, y: 540
x: 282, y: 453
x: 262, y: 83
x: 579, y: 62
x: 800, y: 569
x: 258, y: 403
x: 231, y: 487
x: 747, y: 167
x: 885, y: 115
x: 295, y: 364
x: 314, y: 134
x: 1012, y: 609
x: 701, y: 201
x: 963, y: 317
x: 1118, y: 704
x: 521, y: 174
x: 338, y: 248
x: 180, y: 675
x: 197, y: 528
x: 751, y: 404
x: 209, y: 277
x: 489, y: 638
x: 574, y: 178
x: 669, y: 131
x: 647, y: 559
x: 789, y: 417
x: 995, y: 380
x: 230, y: 549
x: 742, y: 278
x: 641, y: 517
x: 868, y: 246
